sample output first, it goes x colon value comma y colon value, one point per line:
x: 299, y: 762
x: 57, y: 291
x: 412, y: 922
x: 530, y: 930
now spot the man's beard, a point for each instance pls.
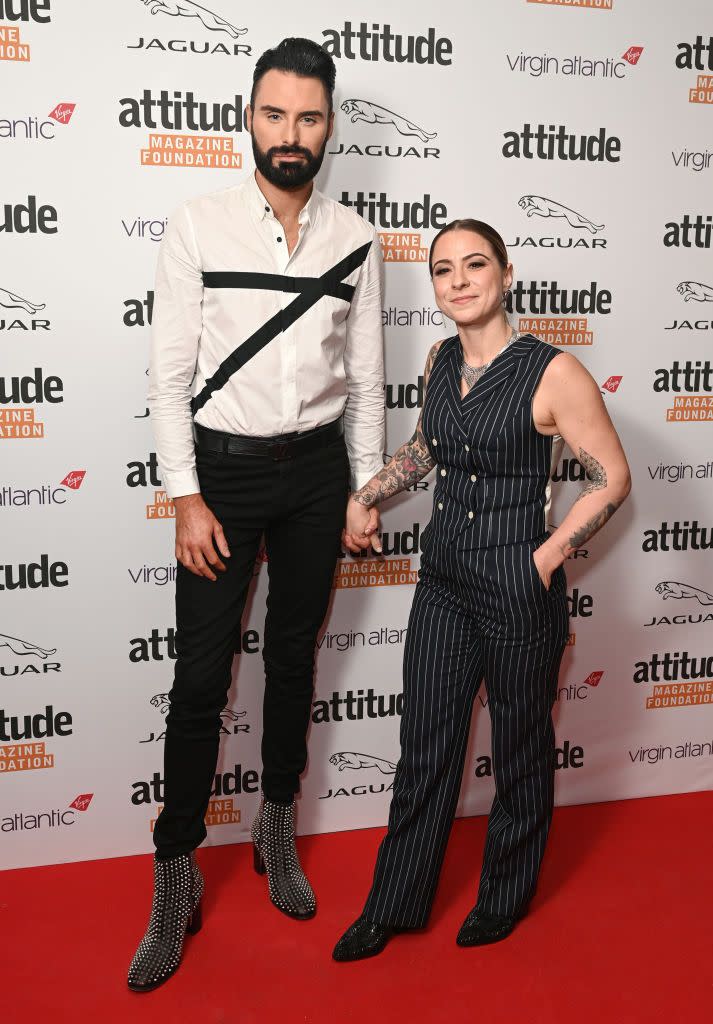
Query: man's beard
x: 287, y: 174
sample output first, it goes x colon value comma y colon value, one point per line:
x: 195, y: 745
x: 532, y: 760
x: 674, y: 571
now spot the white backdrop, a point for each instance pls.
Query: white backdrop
x: 86, y: 598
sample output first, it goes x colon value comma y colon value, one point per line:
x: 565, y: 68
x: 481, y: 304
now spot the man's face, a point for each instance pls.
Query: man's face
x: 290, y: 125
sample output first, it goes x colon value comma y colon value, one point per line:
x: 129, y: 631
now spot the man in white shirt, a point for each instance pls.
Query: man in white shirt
x: 266, y: 398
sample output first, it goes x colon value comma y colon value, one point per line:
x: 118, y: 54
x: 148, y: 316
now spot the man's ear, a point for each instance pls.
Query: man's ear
x: 248, y: 117
x: 330, y: 126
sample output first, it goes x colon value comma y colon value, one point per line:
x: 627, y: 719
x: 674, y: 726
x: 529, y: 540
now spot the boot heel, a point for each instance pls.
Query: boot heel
x: 195, y: 921
x: 258, y: 861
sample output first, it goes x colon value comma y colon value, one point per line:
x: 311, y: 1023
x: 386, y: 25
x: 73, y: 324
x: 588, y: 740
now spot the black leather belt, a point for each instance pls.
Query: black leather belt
x: 278, y: 447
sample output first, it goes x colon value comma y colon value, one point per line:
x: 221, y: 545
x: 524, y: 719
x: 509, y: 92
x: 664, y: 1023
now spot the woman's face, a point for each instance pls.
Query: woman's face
x: 468, y: 280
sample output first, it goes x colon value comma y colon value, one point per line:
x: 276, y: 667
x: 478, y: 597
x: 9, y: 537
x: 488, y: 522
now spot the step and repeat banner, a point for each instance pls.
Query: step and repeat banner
x: 583, y: 131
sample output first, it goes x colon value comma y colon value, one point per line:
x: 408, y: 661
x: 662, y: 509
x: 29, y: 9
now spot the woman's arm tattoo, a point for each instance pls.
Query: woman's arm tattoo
x: 596, y: 474
x: 409, y: 464
x: 588, y: 529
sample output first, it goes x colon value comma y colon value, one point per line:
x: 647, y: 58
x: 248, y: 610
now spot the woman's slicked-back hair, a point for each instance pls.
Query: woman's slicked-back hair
x: 479, y: 227
x: 302, y: 57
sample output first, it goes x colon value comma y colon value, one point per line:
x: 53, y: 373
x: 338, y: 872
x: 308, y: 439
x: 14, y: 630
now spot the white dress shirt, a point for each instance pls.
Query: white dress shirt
x: 329, y: 362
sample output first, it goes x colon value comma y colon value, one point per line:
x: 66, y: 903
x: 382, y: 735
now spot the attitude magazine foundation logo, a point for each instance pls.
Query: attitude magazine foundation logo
x: 698, y: 56
x: 556, y: 314
x: 595, y: 5
x: 691, y: 383
x: 389, y: 216
x: 178, y: 112
x: 12, y: 46
x: 680, y: 680
x: 27, y: 733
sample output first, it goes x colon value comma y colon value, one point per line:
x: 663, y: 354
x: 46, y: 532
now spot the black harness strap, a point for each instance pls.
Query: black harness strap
x: 310, y: 291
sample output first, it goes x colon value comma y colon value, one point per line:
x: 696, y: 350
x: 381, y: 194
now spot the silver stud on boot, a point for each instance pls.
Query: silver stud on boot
x: 274, y: 852
x: 175, y: 911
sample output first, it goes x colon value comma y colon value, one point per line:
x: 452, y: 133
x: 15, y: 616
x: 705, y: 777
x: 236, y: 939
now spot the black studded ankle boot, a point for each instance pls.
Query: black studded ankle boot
x: 176, y: 909
x: 273, y: 836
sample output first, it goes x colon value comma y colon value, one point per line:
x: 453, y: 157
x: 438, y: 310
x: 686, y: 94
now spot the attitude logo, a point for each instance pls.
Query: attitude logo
x: 680, y: 680
x: 41, y: 494
x: 209, y: 21
x: 20, y: 391
x: 28, y: 218
x: 357, y: 762
x: 380, y: 43
x: 23, y: 753
x: 16, y: 321
x: 178, y: 113
x: 672, y: 590
x: 157, y: 646
x: 693, y: 378
x: 387, y: 215
x: 567, y: 756
x: 698, y: 56
x: 690, y: 232
x: 596, y: 5
x: 23, y: 821
x: 145, y: 474
x: 366, y: 571
x: 574, y: 65
x: 372, y: 114
x: 36, y: 128
x: 544, y: 298
x: 230, y: 721
x: 11, y: 45
x: 221, y: 809
x: 541, y: 206
x: 555, y: 142
x: 26, y: 658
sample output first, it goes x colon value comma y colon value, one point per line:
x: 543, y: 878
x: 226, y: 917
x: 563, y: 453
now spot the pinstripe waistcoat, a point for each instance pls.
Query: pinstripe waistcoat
x: 493, y: 472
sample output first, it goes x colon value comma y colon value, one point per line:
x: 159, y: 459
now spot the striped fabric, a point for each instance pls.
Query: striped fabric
x: 480, y: 612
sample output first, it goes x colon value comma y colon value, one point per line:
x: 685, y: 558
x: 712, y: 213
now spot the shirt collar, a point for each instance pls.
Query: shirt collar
x: 262, y: 208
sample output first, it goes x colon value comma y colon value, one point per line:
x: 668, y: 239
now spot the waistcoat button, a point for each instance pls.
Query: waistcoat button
x: 470, y: 515
x: 467, y: 447
x: 440, y: 504
x: 443, y: 472
x: 473, y: 477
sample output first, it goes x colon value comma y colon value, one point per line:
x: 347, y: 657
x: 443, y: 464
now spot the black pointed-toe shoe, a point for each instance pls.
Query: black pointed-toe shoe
x: 361, y: 940
x: 480, y: 929
x: 175, y: 912
x: 275, y: 853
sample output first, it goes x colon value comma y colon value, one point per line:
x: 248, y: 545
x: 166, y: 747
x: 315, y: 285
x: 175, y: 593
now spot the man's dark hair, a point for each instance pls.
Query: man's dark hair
x: 302, y: 57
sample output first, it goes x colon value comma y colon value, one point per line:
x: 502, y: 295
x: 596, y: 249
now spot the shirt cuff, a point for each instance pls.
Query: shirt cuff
x: 179, y: 484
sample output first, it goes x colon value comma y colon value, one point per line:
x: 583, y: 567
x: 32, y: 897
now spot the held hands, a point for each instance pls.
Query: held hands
x: 198, y: 534
x: 361, y: 529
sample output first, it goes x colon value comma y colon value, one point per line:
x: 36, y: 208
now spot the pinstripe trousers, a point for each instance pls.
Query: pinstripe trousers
x: 492, y: 620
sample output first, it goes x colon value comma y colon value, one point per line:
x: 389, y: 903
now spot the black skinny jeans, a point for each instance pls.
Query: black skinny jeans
x: 299, y: 505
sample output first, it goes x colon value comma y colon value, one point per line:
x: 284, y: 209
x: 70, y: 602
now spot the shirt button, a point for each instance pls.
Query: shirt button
x: 279, y: 239
x: 267, y: 209
x: 473, y: 477
x: 440, y: 504
x: 434, y: 441
x: 467, y: 447
x: 443, y: 472
x: 470, y: 515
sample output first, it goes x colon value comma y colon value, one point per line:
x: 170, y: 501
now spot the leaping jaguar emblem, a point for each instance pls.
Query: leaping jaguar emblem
x: 188, y: 9
x: 162, y: 702
x: 696, y: 291
x: 372, y: 113
x: 12, y: 301
x: 541, y: 206
x: 347, y: 759
x: 679, y: 591
x: 24, y: 647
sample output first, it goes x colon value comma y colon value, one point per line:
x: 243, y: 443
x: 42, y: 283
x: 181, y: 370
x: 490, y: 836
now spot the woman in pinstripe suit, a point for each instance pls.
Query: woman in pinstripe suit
x: 491, y: 599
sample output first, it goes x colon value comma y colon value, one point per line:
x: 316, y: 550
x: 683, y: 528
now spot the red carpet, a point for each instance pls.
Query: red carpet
x: 621, y: 931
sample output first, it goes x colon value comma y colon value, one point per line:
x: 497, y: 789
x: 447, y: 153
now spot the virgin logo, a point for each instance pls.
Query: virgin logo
x: 611, y: 384
x: 82, y: 801
x: 632, y: 54
x: 63, y: 112
x: 593, y: 679
x: 74, y: 479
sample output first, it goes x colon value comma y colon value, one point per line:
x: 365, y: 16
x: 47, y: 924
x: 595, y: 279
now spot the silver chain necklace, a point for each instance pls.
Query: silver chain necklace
x: 472, y: 374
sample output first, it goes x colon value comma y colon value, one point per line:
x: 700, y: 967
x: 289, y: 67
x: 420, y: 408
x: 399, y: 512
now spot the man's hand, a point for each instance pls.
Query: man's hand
x: 198, y: 533
x: 362, y: 528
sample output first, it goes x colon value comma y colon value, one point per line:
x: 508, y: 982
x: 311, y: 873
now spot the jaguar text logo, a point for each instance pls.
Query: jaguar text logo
x: 205, y: 19
x: 368, y: 113
x: 550, y: 209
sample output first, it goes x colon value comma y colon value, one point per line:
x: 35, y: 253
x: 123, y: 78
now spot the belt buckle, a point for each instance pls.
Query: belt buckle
x: 281, y: 451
